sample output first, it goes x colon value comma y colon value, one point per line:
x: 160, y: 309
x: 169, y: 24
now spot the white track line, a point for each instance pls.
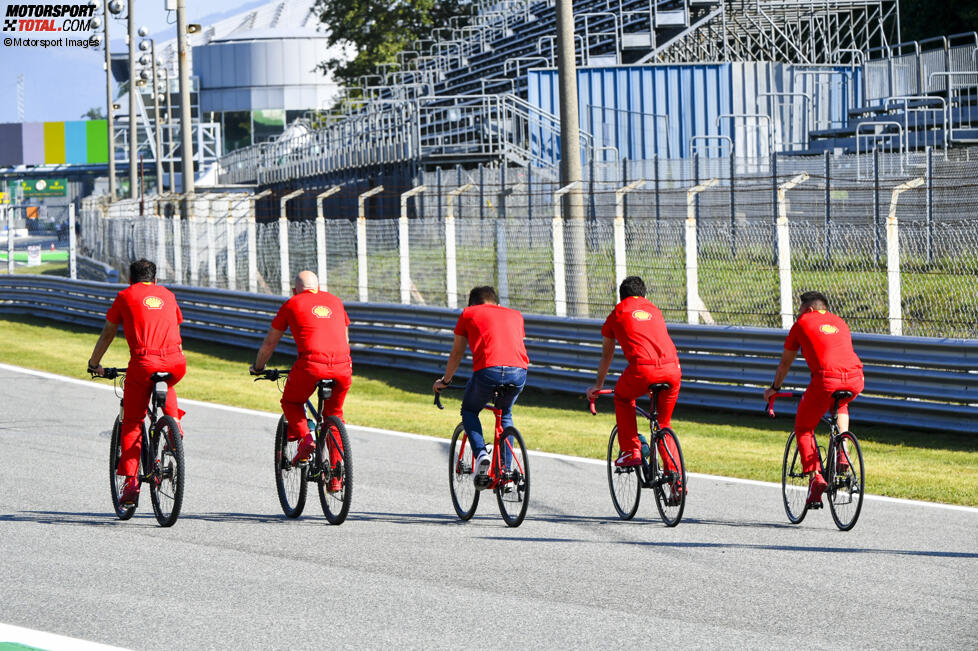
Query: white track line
x: 48, y: 641
x: 407, y: 435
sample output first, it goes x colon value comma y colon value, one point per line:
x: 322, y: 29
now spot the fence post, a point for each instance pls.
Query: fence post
x: 194, y: 262
x: 894, y: 293
x: 72, y: 244
x: 211, y: 248
x: 876, y: 203
x: 451, y: 274
x: 321, y: 235
x: 404, y: 243
x: 733, y: 205
x: 694, y: 304
x: 784, y: 250
x: 621, y: 263
x: 502, y: 247
x: 930, y: 205
x: 160, y: 245
x: 828, y: 207
x: 283, y: 243
x: 362, y: 288
x: 253, y: 242
x: 658, y: 206
x: 229, y: 246
x: 10, y: 239
x: 177, y: 247
x: 560, y: 270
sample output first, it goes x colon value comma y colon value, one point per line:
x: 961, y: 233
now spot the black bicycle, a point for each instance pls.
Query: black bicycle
x: 335, y: 480
x: 663, y: 451
x: 161, y: 457
x: 842, y: 469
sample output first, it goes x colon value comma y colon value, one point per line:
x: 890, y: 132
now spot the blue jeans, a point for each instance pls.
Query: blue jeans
x: 479, y: 391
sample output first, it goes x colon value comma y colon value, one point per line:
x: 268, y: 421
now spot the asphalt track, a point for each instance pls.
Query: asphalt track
x: 234, y: 572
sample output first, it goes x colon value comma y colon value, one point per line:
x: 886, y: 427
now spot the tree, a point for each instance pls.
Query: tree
x: 920, y: 19
x: 377, y: 30
x: 94, y: 113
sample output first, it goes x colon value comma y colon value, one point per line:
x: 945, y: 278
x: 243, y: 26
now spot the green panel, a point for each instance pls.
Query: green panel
x: 54, y: 143
x: 97, y: 139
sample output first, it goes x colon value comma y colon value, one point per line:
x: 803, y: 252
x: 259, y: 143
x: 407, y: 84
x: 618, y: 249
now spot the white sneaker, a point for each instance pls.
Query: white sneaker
x: 482, y: 463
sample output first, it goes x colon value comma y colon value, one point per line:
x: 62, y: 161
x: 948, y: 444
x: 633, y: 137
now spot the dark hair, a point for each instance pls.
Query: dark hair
x: 814, y: 299
x: 631, y: 286
x: 142, y: 271
x: 484, y: 294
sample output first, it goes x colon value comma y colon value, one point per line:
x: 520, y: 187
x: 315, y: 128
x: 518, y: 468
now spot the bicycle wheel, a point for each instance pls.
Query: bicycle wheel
x: 624, y: 483
x: 794, y: 483
x: 335, y: 482
x: 465, y: 498
x: 117, y: 482
x: 670, y: 487
x: 166, y: 483
x: 290, y: 481
x: 513, y: 491
x: 847, y: 482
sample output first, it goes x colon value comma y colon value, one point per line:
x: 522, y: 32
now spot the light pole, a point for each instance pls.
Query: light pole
x: 186, y: 126
x: 169, y: 123
x: 150, y: 45
x: 109, y: 118
x: 133, y: 131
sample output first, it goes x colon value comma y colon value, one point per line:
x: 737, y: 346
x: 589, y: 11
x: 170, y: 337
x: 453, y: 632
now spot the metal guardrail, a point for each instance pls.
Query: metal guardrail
x: 91, y: 269
x: 911, y: 382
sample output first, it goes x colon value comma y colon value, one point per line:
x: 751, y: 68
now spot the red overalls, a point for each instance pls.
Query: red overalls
x: 150, y: 318
x: 641, y: 332
x: 318, y: 324
x: 826, y: 343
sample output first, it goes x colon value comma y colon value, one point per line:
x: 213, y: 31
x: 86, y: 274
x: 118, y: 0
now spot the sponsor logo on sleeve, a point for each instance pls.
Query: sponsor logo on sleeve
x: 153, y: 302
x: 641, y: 315
x: 828, y: 329
x: 322, y: 312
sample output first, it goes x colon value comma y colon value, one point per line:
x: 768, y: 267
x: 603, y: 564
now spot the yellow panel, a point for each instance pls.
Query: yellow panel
x: 54, y: 143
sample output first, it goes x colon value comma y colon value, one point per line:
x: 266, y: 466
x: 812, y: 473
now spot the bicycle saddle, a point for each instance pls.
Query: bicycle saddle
x: 659, y: 386
x: 326, y: 388
x: 158, y: 377
x: 500, y: 391
x: 841, y: 395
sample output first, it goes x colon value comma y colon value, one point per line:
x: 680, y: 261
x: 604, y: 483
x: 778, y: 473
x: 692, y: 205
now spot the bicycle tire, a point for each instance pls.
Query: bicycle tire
x: 844, y: 485
x: 513, y: 491
x: 290, y: 481
x: 625, y: 484
x: 794, y: 483
x: 167, y: 475
x: 336, y: 505
x: 465, y: 497
x: 670, y: 497
x: 117, y: 482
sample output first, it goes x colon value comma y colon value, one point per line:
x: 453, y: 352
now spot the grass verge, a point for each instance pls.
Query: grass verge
x: 931, y: 466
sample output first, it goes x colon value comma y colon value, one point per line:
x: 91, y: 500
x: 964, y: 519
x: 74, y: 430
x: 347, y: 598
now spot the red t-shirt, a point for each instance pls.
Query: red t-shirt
x: 495, y: 335
x: 641, y: 332
x: 318, y: 324
x: 825, y: 341
x: 149, y: 316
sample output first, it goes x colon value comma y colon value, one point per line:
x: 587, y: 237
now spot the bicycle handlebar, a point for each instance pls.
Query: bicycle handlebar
x: 438, y: 395
x: 780, y: 394
x: 600, y: 392
x: 108, y: 373
x: 271, y: 374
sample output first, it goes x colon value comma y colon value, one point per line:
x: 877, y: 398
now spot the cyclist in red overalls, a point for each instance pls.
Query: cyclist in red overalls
x: 826, y: 343
x: 150, y: 318
x: 318, y: 323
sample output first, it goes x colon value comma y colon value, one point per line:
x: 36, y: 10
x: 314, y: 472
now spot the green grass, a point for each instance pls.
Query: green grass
x: 901, y: 463
x: 46, y: 256
x: 44, y: 269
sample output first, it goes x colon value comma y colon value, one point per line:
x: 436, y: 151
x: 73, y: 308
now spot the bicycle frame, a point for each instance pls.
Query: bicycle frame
x: 832, y: 420
x: 494, y: 477
x: 146, y: 432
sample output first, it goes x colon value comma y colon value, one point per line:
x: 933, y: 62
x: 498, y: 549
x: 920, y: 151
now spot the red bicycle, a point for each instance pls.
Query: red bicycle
x: 509, y: 473
x: 626, y: 483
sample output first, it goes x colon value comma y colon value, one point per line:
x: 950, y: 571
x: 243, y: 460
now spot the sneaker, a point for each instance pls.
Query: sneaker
x: 334, y: 486
x: 306, y: 447
x: 130, y: 494
x: 482, y: 463
x: 841, y: 463
x: 816, y: 487
x: 629, y: 459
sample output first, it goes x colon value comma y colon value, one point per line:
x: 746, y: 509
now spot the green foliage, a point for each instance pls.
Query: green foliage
x: 922, y: 19
x: 94, y: 113
x: 378, y: 29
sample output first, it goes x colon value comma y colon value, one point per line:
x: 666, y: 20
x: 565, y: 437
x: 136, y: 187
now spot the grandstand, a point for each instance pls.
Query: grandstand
x: 821, y: 76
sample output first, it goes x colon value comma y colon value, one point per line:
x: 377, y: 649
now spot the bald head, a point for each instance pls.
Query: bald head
x: 306, y: 280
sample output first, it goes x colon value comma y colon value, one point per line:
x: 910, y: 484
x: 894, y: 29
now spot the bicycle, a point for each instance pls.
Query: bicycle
x: 335, y: 482
x: 508, y: 478
x: 626, y: 483
x: 842, y: 469
x: 161, y: 456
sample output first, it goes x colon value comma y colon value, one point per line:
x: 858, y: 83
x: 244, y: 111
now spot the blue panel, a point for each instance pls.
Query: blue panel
x: 76, y: 149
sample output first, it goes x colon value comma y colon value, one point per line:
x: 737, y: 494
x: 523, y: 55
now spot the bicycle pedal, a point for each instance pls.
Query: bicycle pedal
x: 481, y: 482
x: 815, y: 505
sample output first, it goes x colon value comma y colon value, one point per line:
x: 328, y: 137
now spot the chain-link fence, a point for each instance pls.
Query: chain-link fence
x: 892, y: 241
